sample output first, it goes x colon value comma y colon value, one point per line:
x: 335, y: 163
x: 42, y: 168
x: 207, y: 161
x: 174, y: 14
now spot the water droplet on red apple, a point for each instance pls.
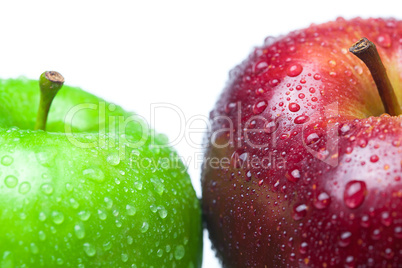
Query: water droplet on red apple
x: 344, y: 239
x: 293, y: 175
x: 230, y: 107
x: 273, y: 82
x: 374, y: 158
x: 299, y: 211
x: 303, y: 248
x: 398, y: 232
x: 388, y: 253
x: 312, y: 138
x: 271, y: 127
x: 317, y: 76
x: 386, y: 218
x: 355, y: 193
x: 301, y: 96
x: 322, y: 200
x: 259, y: 107
x: 365, y: 221
x: 260, y: 67
x: 384, y: 40
x: 301, y: 119
x: 294, y: 70
x: 350, y: 262
x: 376, y: 234
x: 294, y: 107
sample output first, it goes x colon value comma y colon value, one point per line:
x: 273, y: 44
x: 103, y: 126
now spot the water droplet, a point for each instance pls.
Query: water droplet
x: 34, y: 248
x: 124, y: 257
x: 388, y: 253
x: 46, y: 158
x: 57, y: 217
x: 42, y: 216
x: 355, y: 193
x: 84, y: 215
x: 69, y: 187
x: 159, y: 253
x: 260, y: 66
x: 294, y: 107
x: 332, y: 63
x: 113, y: 159
x: 301, y: 96
x: 317, y: 76
x: 7, y: 160
x: 345, y: 239
x: 322, y: 201
x: 94, y: 174
x: 386, y: 218
x: 89, y: 249
x: 109, y: 202
x: 179, y: 252
x: 47, y: 188
x: 271, y: 127
x: 259, y: 107
x: 293, y: 176
x: 24, y: 187
x: 138, y: 185
x: 42, y: 235
x: 303, y: 248
x: 376, y: 234
x: 107, y: 245
x: 273, y: 82
x: 79, y: 230
x: 158, y: 185
x: 350, y: 262
x: 301, y: 119
x: 162, y: 212
x: 144, y: 228
x: 374, y: 158
x: 398, y: 232
x: 294, y: 70
x: 299, y: 211
x: 11, y: 181
x: 312, y: 138
x: 365, y: 221
x: 129, y: 240
x: 59, y: 261
x: 131, y: 210
x: 384, y: 40
x: 102, y: 215
x: 74, y: 203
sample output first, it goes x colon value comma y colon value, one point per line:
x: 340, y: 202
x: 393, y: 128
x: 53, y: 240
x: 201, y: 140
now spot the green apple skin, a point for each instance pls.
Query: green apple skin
x: 68, y: 206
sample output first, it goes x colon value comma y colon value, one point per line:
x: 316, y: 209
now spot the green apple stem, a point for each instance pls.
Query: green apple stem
x: 366, y: 51
x: 50, y: 83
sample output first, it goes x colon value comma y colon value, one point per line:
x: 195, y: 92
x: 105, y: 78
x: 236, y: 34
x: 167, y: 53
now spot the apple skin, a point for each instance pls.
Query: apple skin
x: 68, y: 206
x: 329, y: 193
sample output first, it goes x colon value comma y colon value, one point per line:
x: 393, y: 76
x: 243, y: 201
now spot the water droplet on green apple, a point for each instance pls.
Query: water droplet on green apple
x: 113, y: 159
x: 84, y: 215
x: 42, y: 235
x: 7, y: 160
x: 42, y: 216
x: 138, y: 185
x: 46, y: 158
x: 69, y: 187
x: 124, y: 257
x: 59, y: 261
x: 89, y: 249
x: 79, y: 230
x: 144, y: 228
x: 129, y: 240
x: 34, y: 248
x: 11, y: 181
x: 159, y: 253
x: 131, y: 210
x: 57, y: 217
x: 179, y: 252
x: 162, y: 212
x: 24, y: 187
x: 94, y: 174
x: 107, y: 245
x: 7, y: 260
x: 74, y: 203
x: 109, y: 202
x: 158, y: 185
x: 47, y: 188
x: 102, y: 214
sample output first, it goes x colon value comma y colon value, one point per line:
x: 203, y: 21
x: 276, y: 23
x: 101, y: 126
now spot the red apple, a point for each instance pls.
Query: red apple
x: 304, y: 168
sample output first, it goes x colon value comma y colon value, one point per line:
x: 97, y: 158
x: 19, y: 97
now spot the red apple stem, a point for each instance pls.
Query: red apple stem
x: 366, y: 51
x: 50, y: 83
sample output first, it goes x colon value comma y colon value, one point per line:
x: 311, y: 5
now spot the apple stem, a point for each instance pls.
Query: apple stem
x: 50, y: 82
x: 366, y: 51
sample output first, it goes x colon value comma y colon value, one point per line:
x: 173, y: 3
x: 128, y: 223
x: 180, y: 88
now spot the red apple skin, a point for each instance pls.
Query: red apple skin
x: 332, y: 195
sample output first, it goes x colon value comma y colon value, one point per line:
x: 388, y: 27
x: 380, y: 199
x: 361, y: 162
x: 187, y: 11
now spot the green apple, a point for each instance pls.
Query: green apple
x: 97, y: 188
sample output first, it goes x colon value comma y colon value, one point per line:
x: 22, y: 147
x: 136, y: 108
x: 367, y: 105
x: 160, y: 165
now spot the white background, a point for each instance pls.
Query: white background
x: 135, y: 53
